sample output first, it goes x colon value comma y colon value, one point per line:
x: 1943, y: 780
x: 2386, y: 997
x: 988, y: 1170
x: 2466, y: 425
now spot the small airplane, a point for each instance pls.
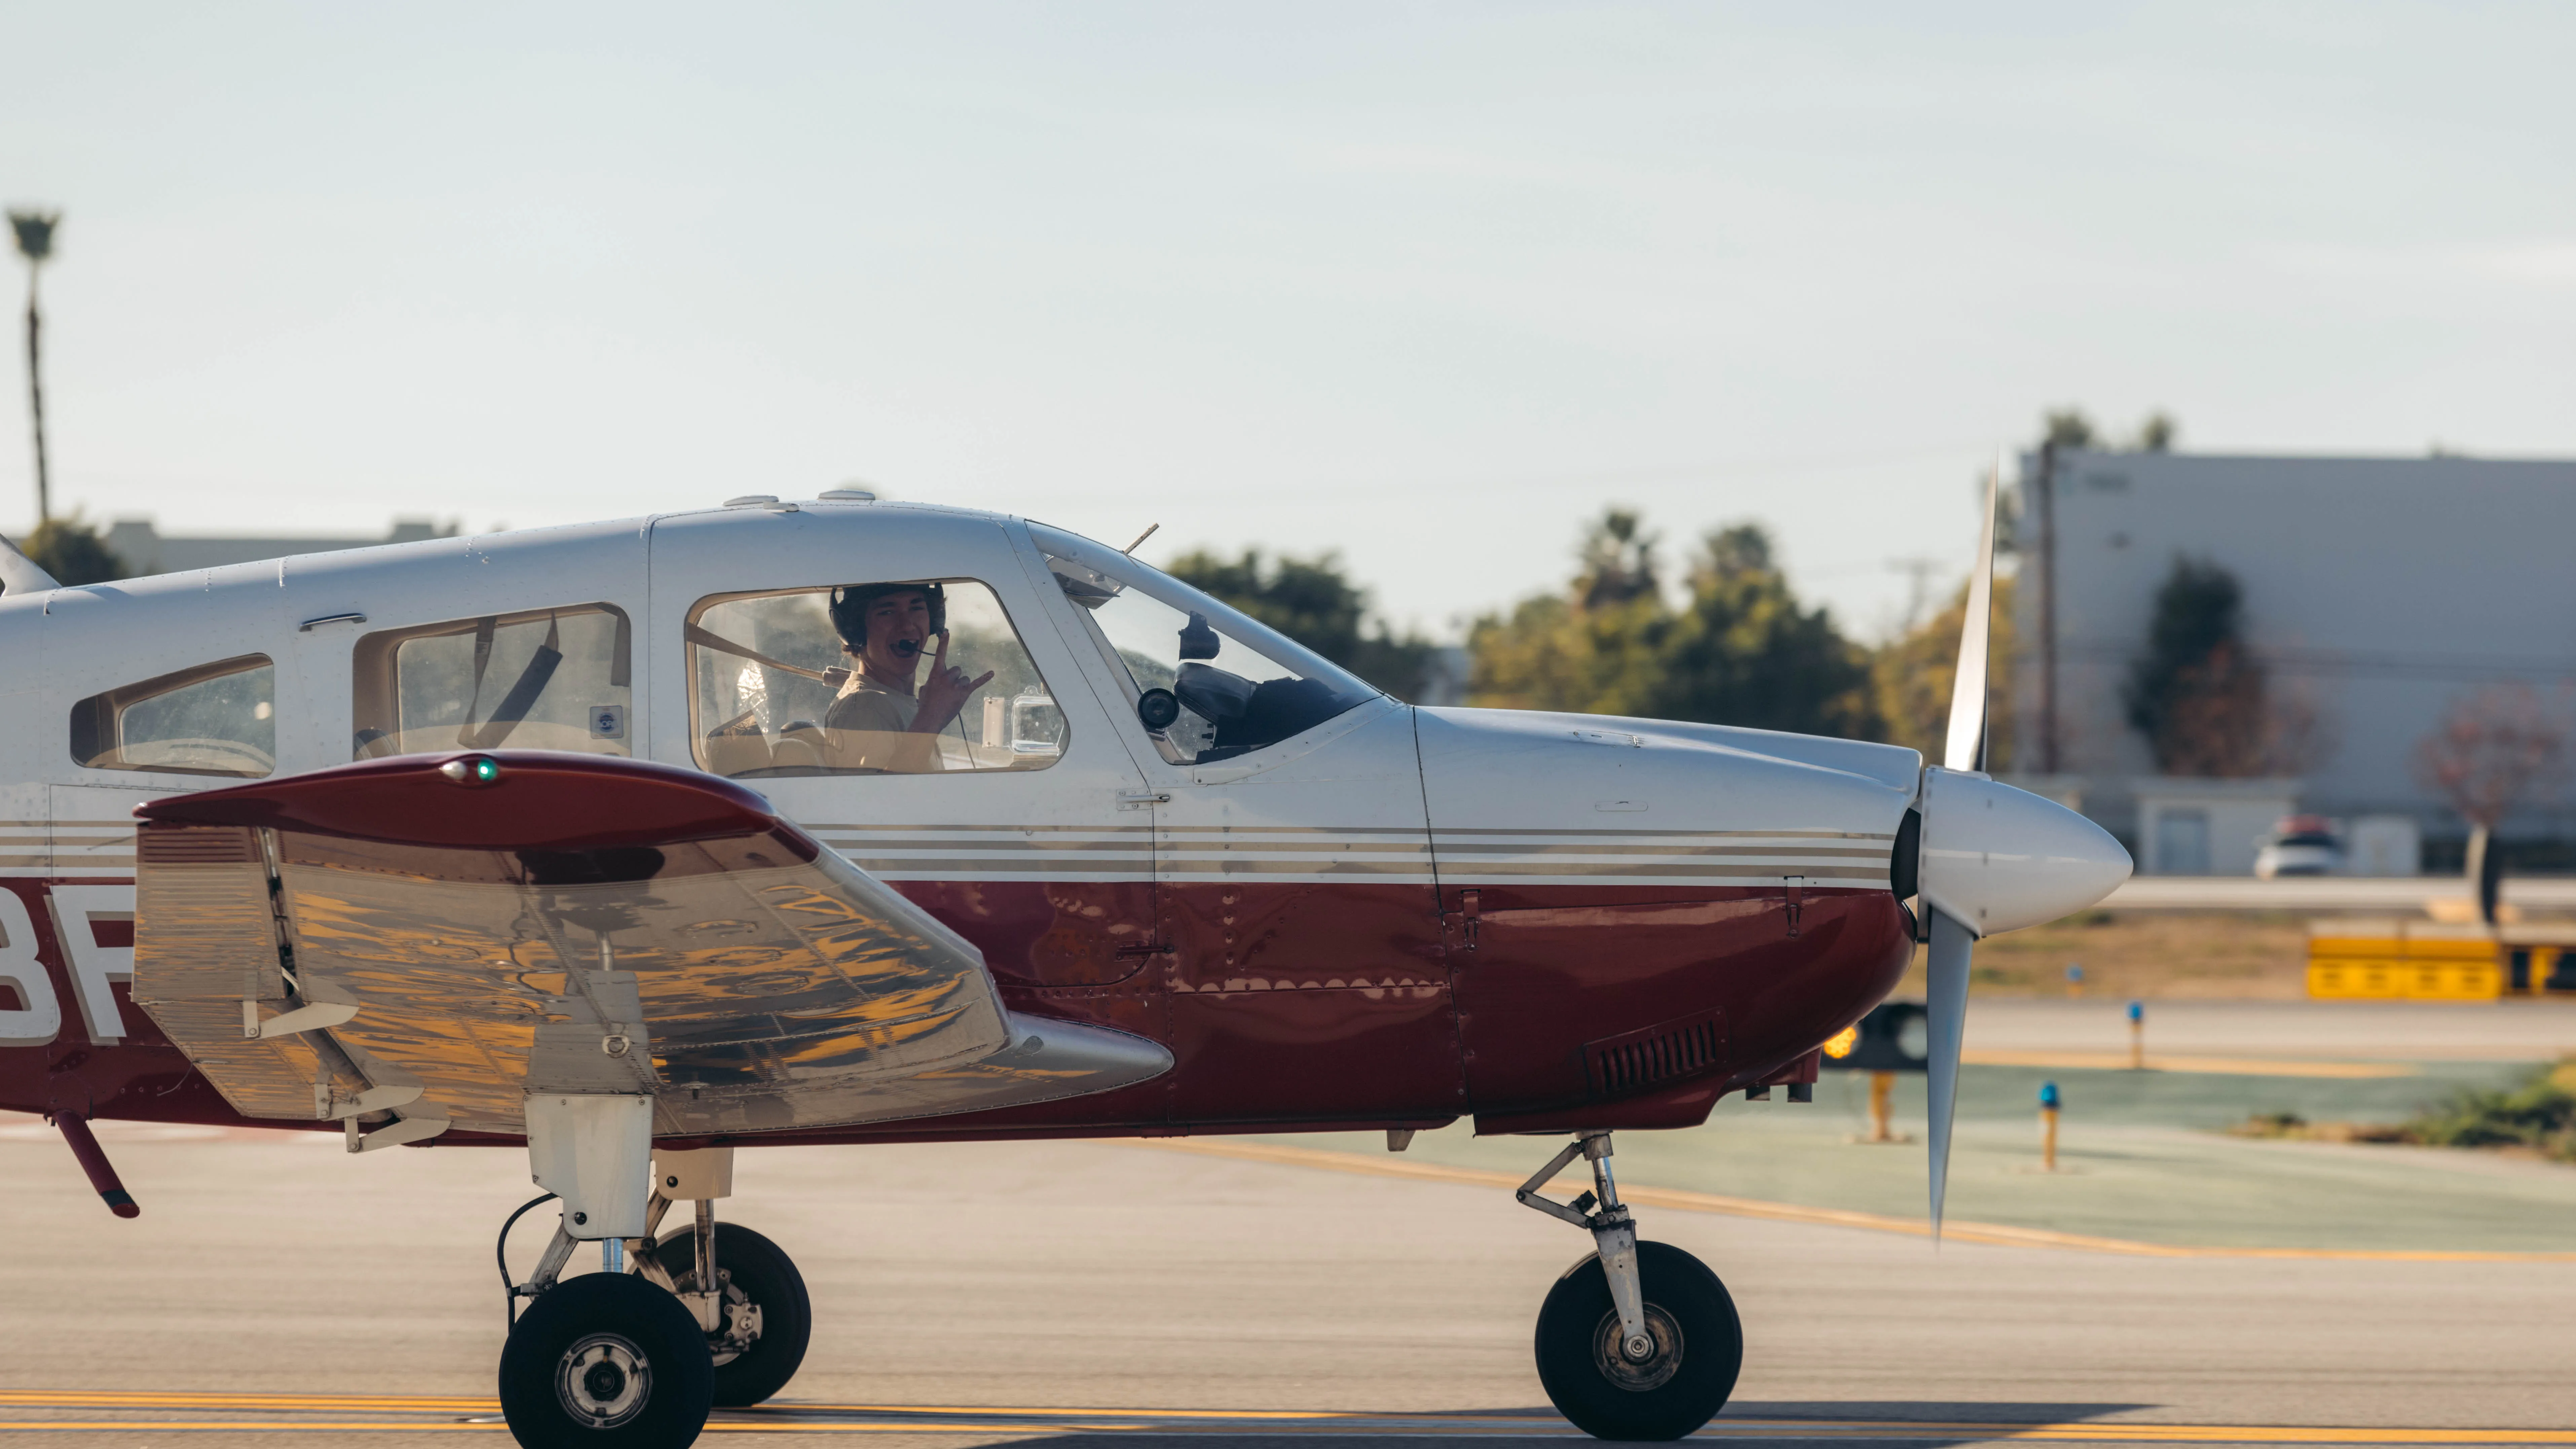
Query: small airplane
x: 843, y: 820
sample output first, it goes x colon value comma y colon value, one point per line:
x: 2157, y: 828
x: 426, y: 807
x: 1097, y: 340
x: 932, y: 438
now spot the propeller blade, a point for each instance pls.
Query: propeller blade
x: 1945, y: 1018
x: 1966, y: 747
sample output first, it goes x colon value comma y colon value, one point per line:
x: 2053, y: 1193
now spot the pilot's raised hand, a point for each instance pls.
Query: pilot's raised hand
x: 945, y: 692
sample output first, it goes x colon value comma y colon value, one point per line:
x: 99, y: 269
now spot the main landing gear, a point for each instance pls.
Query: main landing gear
x: 634, y: 1357
x: 1636, y: 1340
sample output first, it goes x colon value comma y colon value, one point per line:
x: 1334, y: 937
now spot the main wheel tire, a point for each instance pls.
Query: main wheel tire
x: 606, y: 1360
x: 1699, y: 1348
x: 762, y: 1273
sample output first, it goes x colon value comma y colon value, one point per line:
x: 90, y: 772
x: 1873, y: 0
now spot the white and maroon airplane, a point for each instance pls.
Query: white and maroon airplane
x: 854, y: 821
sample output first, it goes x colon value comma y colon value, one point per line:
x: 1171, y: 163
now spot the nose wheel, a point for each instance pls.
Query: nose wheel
x: 1695, y: 1347
x: 1638, y: 1340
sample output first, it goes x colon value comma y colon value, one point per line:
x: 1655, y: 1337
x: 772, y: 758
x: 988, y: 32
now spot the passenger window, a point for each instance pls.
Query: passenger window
x: 214, y: 719
x: 544, y: 679
x: 1225, y: 692
x: 849, y: 681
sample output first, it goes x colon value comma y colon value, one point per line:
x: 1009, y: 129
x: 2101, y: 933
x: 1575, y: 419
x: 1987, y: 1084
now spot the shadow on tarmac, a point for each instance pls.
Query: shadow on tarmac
x: 1932, y: 1424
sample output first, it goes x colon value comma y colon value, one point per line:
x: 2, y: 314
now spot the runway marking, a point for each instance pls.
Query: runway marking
x: 1994, y: 1234
x: 482, y: 1415
x: 2211, y: 1066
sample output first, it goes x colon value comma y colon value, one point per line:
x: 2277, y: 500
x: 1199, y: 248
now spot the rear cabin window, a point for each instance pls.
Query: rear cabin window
x: 213, y: 719
x: 785, y: 684
x: 541, y: 679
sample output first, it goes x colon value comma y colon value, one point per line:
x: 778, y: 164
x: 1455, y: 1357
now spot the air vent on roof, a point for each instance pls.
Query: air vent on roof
x: 1659, y: 1053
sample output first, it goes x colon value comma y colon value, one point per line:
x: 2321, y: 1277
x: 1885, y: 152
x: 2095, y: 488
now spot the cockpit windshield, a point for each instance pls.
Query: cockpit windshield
x: 1208, y: 683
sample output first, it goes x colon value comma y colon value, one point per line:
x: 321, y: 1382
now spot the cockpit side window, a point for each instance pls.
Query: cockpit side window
x: 540, y: 679
x: 1225, y: 684
x: 213, y: 719
x: 787, y: 683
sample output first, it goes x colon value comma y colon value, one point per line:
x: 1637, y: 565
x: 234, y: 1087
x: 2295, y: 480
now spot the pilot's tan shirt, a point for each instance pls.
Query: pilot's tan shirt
x: 870, y: 728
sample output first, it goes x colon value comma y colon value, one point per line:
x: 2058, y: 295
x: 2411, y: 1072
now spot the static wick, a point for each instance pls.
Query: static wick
x: 1140, y: 538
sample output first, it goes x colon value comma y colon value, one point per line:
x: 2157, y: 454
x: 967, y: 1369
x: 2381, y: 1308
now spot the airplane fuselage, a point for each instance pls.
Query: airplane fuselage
x: 1392, y: 918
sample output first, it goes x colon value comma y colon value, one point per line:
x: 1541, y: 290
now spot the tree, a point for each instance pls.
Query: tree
x: 2064, y: 428
x: 2068, y: 428
x: 35, y: 233
x: 1618, y: 561
x: 2202, y: 699
x: 1740, y: 651
x: 1911, y: 678
x: 2497, y: 748
x: 1313, y: 602
x: 1743, y: 652
x: 72, y: 552
x: 2197, y: 694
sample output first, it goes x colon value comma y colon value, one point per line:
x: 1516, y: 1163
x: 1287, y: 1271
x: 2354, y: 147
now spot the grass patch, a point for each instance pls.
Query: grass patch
x: 2536, y: 1118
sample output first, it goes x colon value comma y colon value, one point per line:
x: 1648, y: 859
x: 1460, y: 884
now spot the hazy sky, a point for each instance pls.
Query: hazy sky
x: 1427, y: 284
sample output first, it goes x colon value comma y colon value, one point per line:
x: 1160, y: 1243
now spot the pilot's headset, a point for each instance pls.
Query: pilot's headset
x: 849, y: 608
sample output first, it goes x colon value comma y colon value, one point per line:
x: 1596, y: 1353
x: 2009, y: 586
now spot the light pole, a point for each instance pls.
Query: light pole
x: 35, y: 231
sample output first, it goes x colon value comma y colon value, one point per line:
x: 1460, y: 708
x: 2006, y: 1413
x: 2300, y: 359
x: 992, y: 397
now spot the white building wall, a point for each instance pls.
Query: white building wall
x: 2377, y: 590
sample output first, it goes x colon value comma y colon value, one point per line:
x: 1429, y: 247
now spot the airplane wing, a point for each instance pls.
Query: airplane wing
x: 439, y: 936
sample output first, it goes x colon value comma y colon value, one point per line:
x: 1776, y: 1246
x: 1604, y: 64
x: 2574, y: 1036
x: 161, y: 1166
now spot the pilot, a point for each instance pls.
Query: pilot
x: 882, y: 721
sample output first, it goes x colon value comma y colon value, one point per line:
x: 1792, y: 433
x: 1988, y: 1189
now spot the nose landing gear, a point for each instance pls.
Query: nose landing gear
x: 1637, y: 1340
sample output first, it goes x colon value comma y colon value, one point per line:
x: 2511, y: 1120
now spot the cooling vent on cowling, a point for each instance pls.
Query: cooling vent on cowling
x: 1659, y: 1053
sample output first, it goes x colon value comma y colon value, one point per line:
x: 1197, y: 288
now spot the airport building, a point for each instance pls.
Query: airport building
x: 2377, y: 593
x: 145, y: 550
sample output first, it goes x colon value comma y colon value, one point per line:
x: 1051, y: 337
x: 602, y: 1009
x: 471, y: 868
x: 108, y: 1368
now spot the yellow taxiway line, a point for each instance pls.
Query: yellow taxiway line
x: 2214, y: 1066
x: 1997, y: 1234
x: 334, y: 1409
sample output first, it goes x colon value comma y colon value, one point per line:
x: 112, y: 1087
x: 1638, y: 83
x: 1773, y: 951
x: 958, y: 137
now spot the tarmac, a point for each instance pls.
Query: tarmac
x: 2392, y: 895
x: 277, y: 1291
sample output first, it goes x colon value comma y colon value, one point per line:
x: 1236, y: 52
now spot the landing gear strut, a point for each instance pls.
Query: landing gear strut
x: 762, y: 1317
x: 634, y: 1356
x: 1637, y: 1340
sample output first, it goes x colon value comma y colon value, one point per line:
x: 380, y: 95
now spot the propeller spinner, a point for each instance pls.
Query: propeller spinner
x: 1993, y: 858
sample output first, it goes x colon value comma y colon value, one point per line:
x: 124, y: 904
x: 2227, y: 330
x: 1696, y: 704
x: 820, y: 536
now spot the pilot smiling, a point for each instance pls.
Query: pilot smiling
x: 883, y: 721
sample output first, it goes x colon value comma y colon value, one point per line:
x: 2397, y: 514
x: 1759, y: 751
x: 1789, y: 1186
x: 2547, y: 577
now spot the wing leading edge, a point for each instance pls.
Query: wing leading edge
x: 427, y: 936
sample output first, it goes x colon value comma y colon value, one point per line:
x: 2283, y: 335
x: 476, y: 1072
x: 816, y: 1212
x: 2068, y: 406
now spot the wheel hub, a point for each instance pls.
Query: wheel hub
x: 1633, y: 1372
x: 603, y: 1380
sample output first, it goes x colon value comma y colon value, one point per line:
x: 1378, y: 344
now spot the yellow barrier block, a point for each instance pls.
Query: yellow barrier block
x: 2455, y: 981
x: 2365, y: 959
x: 2357, y: 979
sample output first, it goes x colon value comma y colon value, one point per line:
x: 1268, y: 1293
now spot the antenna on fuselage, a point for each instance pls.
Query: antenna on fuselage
x: 1140, y: 538
x: 20, y: 574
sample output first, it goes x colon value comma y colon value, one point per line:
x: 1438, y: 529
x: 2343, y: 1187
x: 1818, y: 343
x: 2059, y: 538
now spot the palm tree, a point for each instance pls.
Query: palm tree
x: 36, y: 242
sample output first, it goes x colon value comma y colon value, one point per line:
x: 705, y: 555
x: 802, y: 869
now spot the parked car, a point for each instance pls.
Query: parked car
x: 2300, y: 845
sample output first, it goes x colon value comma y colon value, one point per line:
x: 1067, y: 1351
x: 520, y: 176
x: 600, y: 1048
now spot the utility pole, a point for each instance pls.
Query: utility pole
x: 2048, y: 607
x: 1918, y: 577
x: 35, y: 231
